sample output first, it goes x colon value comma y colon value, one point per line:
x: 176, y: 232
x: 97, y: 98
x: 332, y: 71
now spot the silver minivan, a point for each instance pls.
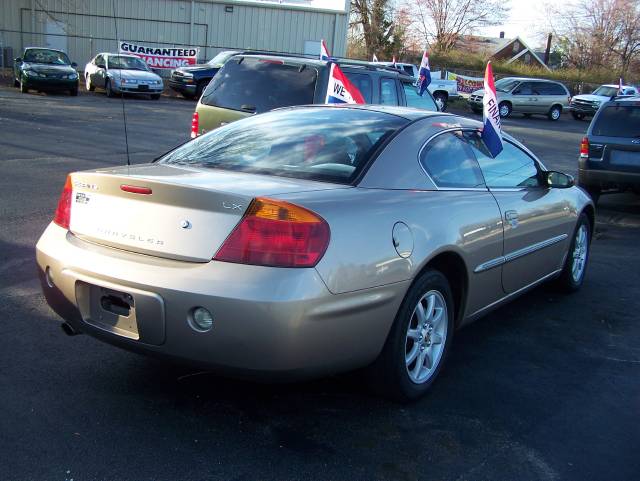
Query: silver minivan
x: 526, y: 96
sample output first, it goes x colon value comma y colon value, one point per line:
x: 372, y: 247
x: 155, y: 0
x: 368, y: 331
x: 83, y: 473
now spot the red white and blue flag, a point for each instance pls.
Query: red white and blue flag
x: 324, y: 52
x: 492, y: 130
x: 340, y: 90
x: 424, y: 78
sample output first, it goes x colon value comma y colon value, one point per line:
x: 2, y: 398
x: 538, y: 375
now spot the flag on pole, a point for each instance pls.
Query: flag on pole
x: 375, y: 59
x: 492, y: 130
x: 324, y: 52
x: 340, y: 90
x: 393, y: 62
x: 620, y: 86
x: 424, y: 78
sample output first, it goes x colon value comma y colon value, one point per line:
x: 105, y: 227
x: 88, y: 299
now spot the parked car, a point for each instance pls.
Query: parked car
x: 120, y: 73
x: 313, y: 240
x: 526, y: 96
x: 441, y: 89
x: 191, y: 81
x: 587, y: 105
x: 254, y: 83
x: 45, y: 69
x: 610, y: 152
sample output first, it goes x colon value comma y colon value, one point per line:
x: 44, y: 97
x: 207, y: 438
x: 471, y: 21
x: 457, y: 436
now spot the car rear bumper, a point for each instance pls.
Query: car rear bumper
x: 268, y: 322
x: 608, y: 179
x: 135, y: 90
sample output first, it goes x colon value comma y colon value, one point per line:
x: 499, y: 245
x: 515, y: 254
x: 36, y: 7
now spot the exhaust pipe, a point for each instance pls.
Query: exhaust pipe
x: 68, y: 329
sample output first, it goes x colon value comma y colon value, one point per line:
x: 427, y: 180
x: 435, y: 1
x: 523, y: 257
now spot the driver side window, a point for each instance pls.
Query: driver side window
x: 511, y: 168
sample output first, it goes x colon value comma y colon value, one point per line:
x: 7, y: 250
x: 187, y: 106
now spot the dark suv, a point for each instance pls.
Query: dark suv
x: 191, y: 81
x: 610, y: 152
x: 254, y: 83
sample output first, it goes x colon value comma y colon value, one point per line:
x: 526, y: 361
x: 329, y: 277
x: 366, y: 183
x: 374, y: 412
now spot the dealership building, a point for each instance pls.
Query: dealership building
x: 84, y: 28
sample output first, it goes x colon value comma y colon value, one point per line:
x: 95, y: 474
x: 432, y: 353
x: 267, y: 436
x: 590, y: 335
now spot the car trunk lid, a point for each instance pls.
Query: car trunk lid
x: 165, y: 211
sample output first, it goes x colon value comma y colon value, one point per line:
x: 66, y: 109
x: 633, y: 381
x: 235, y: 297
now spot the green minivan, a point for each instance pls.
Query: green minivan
x: 248, y: 84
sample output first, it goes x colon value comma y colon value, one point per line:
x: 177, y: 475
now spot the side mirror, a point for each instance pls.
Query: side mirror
x: 18, y: 59
x: 558, y: 180
x: 74, y: 65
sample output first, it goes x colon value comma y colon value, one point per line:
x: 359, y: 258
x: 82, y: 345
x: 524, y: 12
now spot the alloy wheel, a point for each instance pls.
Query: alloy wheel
x: 426, y: 334
x: 580, y: 249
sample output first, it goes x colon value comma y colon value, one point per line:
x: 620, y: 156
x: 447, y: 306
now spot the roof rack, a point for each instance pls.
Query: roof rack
x: 339, y: 60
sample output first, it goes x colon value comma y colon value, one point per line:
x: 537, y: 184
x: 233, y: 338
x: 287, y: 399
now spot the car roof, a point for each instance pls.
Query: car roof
x: 345, y: 63
x: 118, y: 54
x: 408, y: 113
x: 45, y: 48
x: 624, y: 86
x: 530, y: 79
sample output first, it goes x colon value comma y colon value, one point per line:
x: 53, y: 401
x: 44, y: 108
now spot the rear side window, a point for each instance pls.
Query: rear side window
x: 618, y: 121
x: 557, y: 89
x: 363, y: 83
x: 326, y: 144
x: 414, y: 100
x: 450, y: 162
x: 260, y: 85
x: 388, y: 92
x: 408, y: 69
x: 511, y: 168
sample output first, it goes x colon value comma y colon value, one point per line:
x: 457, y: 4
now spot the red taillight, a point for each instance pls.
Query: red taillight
x: 276, y: 233
x: 62, y: 216
x: 195, y: 121
x: 584, y: 148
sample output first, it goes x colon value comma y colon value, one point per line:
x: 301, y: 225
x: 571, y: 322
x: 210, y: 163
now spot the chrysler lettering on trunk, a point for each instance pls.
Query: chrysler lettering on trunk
x: 129, y: 236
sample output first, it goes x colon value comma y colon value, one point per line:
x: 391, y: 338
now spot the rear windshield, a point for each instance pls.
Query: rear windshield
x: 618, y: 121
x: 260, y: 85
x: 326, y: 144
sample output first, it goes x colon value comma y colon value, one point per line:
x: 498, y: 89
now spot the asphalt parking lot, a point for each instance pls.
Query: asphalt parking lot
x: 546, y: 388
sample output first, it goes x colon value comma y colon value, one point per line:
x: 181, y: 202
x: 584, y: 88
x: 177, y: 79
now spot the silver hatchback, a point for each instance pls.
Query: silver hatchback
x: 526, y: 96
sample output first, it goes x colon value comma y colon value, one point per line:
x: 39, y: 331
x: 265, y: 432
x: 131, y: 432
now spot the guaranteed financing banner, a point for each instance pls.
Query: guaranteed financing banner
x: 466, y: 84
x: 154, y: 57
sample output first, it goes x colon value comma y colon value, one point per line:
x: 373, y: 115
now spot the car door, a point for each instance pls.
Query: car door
x: 99, y: 71
x: 524, y: 98
x: 537, y: 220
x: 466, y: 202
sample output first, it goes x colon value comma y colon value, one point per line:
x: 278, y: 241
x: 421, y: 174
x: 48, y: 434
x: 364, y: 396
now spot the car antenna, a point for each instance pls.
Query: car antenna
x: 124, y: 111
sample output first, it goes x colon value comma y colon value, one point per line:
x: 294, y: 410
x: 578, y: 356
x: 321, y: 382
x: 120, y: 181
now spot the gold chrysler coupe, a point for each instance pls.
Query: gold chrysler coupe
x: 313, y: 240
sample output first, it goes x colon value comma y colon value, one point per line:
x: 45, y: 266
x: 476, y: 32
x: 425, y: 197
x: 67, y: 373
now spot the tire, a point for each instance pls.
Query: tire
x: 107, y: 87
x: 572, y: 276
x: 554, y: 113
x: 155, y: 96
x: 505, y: 109
x: 23, y: 87
x: 441, y: 101
x: 87, y: 83
x: 74, y: 92
x: 577, y: 115
x: 16, y: 83
x: 391, y: 375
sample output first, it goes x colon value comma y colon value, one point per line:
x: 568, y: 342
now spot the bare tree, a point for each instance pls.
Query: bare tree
x: 598, y: 33
x: 442, y: 22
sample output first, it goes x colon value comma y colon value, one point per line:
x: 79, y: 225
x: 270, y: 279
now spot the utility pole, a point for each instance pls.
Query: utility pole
x: 548, y: 50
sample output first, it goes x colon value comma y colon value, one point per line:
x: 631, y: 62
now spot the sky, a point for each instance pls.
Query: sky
x: 527, y: 19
